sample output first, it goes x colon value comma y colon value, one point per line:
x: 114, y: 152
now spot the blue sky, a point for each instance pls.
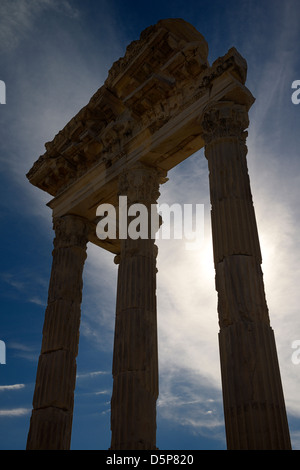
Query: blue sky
x: 53, y: 56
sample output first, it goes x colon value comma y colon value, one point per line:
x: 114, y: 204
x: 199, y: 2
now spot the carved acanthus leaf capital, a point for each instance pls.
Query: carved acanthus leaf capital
x: 140, y: 184
x: 224, y: 119
x: 70, y: 230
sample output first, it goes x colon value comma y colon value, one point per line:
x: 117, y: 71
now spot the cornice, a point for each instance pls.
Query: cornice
x: 160, y: 76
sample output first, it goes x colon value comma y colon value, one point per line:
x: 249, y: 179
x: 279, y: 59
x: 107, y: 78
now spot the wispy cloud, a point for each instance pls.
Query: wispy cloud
x: 17, y: 17
x: 25, y: 283
x: 103, y: 392
x: 191, y: 402
x: 5, y: 388
x: 98, y: 308
x: 92, y: 374
x: 295, y: 437
x: 10, y: 279
x: 187, y: 316
x: 37, y: 301
x: 275, y: 64
x: 15, y: 412
x: 23, y: 351
x: 64, y: 74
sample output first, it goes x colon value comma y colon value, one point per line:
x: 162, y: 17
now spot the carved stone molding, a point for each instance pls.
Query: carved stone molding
x: 70, y: 230
x: 160, y: 75
x: 170, y: 37
x: 140, y: 184
x: 224, y: 119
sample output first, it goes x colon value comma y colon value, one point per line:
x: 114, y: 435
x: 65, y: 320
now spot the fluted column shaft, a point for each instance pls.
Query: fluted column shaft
x: 51, y: 420
x: 254, y: 408
x: 135, y: 360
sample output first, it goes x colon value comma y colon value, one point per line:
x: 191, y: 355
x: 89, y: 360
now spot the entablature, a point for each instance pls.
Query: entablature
x: 147, y: 110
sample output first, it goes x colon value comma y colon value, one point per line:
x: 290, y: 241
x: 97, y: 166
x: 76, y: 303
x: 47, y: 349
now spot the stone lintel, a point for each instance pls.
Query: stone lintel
x: 179, y: 138
x: 147, y: 111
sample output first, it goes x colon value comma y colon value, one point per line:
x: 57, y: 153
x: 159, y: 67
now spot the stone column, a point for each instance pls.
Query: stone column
x: 135, y: 359
x: 254, y: 408
x: 51, y: 420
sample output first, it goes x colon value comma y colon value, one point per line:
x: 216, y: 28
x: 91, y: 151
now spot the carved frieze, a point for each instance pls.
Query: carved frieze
x: 161, y: 74
x: 140, y: 184
x: 224, y: 119
x: 70, y: 230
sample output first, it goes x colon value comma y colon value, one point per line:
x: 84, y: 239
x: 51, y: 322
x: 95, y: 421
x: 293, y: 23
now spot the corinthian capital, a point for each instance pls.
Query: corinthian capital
x: 70, y: 230
x: 224, y: 119
x: 140, y: 184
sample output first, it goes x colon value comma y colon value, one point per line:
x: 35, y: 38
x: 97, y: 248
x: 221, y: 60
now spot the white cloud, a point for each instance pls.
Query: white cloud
x: 19, y: 346
x: 9, y: 278
x: 11, y: 387
x: 187, y: 315
x: 99, y: 297
x: 15, y: 412
x: 295, y: 437
x: 190, y: 401
x: 24, y: 351
x: 37, y: 301
x: 91, y: 374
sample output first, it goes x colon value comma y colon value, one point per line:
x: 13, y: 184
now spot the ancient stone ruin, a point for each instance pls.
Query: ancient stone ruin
x: 160, y: 103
